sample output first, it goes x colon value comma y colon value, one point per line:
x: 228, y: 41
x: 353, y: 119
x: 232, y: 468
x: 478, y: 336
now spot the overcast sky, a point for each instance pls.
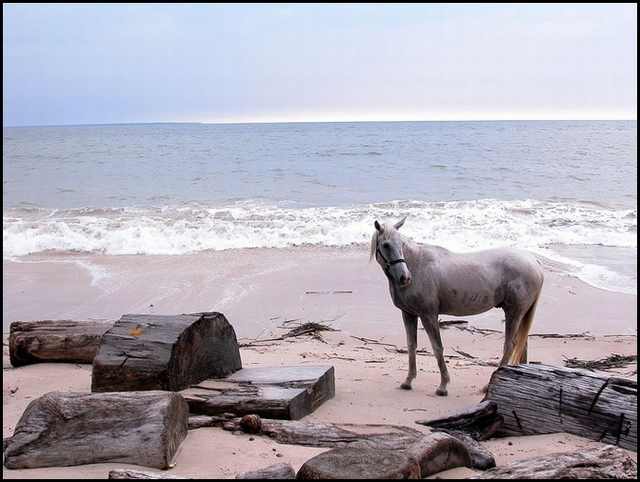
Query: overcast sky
x: 76, y: 64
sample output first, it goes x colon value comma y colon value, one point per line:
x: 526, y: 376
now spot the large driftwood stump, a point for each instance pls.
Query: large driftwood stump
x: 274, y: 392
x: 62, y: 429
x: 64, y: 341
x: 275, y: 471
x: 538, y: 399
x: 594, y: 463
x: 360, y: 463
x: 152, y: 352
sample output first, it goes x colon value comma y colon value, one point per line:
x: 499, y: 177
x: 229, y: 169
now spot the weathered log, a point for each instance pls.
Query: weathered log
x: 63, y: 341
x: 388, y: 437
x: 539, y: 399
x: 152, y: 352
x: 591, y: 463
x: 138, y: 474
x: 480, y: 422
x: 481, y: 458
x: 360, y: 463
x: 318, y: 434
x: 62, y: 429
x: 437, y: 452
x: 274, y: 392
x: 275, y: 471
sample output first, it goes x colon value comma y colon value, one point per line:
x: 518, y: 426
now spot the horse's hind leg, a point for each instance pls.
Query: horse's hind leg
x: 431, y: 326
x: 411, y: 329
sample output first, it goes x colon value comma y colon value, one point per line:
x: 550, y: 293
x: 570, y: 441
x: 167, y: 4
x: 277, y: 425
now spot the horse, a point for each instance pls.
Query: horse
x: 427, y: 280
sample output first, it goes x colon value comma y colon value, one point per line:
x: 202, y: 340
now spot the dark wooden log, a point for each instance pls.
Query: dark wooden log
x: 591, y: 463
x: 138, y: 474
x: 318, y: 434
x: 481, y: 458
x: 153, y: 352
x: 360, y: 463
x: 62, y: 429
x: 480, y: 422
x: 275, y: 471
x: 538, y: 399
x: 63, y: 341
x: 273, y: 392
x: 437, y: 452
x: 444, y: 448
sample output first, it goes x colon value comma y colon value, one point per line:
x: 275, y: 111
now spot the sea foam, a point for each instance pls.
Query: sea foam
x: 457, y: 225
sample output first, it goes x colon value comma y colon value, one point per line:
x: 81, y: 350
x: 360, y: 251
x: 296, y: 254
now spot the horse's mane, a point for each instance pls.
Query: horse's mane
x: 374, y: 243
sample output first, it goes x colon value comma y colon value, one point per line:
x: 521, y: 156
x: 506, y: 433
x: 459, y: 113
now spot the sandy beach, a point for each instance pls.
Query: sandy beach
x: 259, y: 290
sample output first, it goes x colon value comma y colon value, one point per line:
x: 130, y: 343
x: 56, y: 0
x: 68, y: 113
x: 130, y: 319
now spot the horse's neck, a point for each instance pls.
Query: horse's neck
x: 413, y: 250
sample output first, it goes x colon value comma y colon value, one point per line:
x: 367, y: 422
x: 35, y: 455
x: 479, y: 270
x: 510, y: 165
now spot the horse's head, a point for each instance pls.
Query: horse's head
x: 386, y: 246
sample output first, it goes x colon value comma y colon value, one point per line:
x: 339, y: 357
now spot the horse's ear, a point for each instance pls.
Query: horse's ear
x: 399, y: 224
x: 377, y: 225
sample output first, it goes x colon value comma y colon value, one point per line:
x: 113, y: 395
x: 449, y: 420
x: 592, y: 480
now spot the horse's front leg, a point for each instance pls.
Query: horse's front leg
x: 431, y: 326
x: 411, y: 329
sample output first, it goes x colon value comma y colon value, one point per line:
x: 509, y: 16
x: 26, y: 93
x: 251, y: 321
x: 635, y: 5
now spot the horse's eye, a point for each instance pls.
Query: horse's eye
x: 385, y: 245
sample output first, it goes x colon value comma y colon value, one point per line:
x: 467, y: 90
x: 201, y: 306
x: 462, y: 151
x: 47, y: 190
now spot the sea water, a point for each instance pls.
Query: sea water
x: 563, y: 189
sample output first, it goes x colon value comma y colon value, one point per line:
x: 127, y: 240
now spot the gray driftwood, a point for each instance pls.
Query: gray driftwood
x: 591, y: 463
x: 139, y: 474
x: 480, y: 422
x: 153, y: 352
x: 64, y: 341
x: 438, y: 451
x: 439, y: 446
x: 318, y: 434
x: 538, y: 399
x: 360, y: 463
x: 273, y: 392
x: 62, y: 429
x: 275, y: 471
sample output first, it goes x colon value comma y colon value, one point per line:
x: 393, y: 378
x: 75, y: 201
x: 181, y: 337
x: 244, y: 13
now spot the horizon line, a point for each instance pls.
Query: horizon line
x: 96, y: 124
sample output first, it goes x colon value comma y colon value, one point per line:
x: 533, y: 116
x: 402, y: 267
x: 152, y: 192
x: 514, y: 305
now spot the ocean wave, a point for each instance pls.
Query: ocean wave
x: 190, y: 228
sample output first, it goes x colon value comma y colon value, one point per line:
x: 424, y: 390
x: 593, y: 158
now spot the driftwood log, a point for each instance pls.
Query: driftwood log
x: 431, y: 450
x: 64, y: 341
x: 139, y: 474
x: 538, y: 399
x: 275, y: 471
x: 273, y: 392
x: 62, y: 429
x: 480, y: 422
x: 152, y: 352
x: 360, y: 463
x: 592, y: 463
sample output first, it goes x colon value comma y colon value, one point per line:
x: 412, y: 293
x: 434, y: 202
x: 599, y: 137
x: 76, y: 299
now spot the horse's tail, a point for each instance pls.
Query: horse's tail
x: 522, y: 335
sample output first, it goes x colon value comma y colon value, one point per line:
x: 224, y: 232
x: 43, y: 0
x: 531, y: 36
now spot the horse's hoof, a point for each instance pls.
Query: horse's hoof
x: 442, y: 392
x: 406, y: 386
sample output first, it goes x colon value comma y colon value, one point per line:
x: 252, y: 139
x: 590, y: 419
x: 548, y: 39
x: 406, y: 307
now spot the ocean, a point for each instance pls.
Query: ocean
x: 566, y: 190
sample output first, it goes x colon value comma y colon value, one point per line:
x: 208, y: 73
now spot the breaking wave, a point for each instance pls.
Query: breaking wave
x: 457, y: 225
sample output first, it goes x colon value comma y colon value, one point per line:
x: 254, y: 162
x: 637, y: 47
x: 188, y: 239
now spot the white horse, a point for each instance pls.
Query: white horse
x: 426, y: 281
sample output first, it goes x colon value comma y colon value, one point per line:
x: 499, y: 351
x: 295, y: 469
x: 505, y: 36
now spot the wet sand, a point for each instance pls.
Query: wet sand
x: 258, y: 290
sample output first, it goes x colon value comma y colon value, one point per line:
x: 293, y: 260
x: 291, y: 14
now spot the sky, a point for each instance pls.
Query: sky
x: 121, y: 63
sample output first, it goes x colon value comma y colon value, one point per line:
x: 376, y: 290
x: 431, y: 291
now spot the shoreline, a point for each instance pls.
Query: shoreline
x: 255, y: 286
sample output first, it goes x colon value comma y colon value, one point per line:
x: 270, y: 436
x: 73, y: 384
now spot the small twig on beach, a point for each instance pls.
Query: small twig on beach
x: 447, y: 323
x: 370, y: 341
x: 465, y: 354
x: 311, y: 328
x: 474, y: 330
x: 335, y: 292
x: 558, y: 335
x: 612, y: 361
